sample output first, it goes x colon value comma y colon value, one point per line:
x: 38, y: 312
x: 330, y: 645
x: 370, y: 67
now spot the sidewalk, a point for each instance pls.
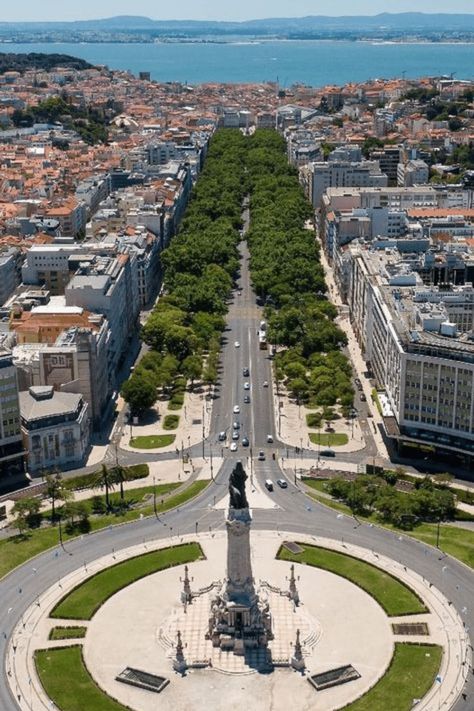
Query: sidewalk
x: 357, y: 359
x: 293, y: 430
x: 194, y: 419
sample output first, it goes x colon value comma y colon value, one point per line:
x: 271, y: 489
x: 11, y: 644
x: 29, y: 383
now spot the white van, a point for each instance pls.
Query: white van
x: 269, y: 484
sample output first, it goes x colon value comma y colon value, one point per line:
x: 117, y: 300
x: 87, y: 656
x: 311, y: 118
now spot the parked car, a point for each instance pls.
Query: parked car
x: 282, y: 484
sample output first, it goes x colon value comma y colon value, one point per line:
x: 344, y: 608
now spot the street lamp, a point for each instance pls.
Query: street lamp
x: 154, y: 499
x: 212, y: 469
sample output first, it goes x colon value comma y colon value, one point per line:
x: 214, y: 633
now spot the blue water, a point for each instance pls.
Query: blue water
x: 310, y: 62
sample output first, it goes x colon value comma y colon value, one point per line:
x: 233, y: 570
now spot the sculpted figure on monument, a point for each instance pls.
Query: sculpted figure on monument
x: 238, y: 498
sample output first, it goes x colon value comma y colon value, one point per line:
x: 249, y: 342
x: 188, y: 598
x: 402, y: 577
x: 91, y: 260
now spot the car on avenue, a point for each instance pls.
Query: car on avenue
x: 246, y: 399
x: 363, y: 398
x: 222, y: 436
x: 265, y: 383
x: 236, y: 409
x: 282, y: 484
x: 261, y: 456
x: 269, y: 484
x: 327, y: 453
x: 236, y: 425
x: 269, y: 438
x: 235, y: 434
x: 246, y: 386
x: 245, y: 442
x: 233, y: 447
x: 246, y: 372
x: 237, y: 344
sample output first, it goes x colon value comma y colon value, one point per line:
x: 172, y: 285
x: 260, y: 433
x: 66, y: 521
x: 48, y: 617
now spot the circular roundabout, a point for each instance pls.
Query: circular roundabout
x: 121, y: 633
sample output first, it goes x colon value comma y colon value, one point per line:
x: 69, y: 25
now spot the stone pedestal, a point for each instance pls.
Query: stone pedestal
x: 239, y: 620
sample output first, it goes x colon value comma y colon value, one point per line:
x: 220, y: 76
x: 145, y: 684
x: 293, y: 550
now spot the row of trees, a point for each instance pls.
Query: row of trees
x: 200, y: 266
x: 288, y: 276
x: 369, y: 494
x: 27, y: 511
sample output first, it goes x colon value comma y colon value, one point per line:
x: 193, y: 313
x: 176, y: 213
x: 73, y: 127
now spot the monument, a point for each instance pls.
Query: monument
x: 239, y: 619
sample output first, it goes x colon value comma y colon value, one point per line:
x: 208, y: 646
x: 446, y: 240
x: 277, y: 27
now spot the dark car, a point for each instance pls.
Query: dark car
x: 363, y: 398
x: 246, y: 372
x: 246, y: 399
x: 245, y: 442
x: 327, y: 453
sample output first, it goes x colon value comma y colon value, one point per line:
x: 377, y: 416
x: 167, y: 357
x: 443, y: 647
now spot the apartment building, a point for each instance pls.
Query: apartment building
x: 12, y: 454
x: 76, y: 362
x: 341, y: 174
x: 418, y: 342
x: 413, y: 172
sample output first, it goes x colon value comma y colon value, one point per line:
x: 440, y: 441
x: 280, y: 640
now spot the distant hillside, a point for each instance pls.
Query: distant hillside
x: 46, y: 62
x: 408, y: 21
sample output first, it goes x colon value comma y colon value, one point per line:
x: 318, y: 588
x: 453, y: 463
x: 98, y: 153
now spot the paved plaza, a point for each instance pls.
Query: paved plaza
x: 340, y: 624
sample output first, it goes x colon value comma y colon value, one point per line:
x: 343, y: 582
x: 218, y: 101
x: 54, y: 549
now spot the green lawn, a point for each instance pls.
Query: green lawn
x: 84, y: 601
x: 67, y: 682
x: 411, y: 675
x: 152, y: 441
x: 171, y: 422
x: 457, y: 541
x: 67, y: 633
x: 329, y: 439
x: 391, y: 594
x: 16, y: 550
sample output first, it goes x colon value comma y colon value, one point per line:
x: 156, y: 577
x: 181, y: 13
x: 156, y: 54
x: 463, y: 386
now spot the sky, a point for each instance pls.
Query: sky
x: 216, y: 9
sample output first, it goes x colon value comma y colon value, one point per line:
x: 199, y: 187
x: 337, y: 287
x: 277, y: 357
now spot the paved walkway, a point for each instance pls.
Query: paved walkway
x: 355, y: 352
x: 293, y: 430
x: 194, y: 419
x: 109, y: 647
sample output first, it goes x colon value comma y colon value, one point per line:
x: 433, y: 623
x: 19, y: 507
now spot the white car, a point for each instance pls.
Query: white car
x: 269, y: 439
x: 265, y: 383
x: 246, y: 386
x: 236, y: 409
x: 233, y: 447
x: 237, y: 344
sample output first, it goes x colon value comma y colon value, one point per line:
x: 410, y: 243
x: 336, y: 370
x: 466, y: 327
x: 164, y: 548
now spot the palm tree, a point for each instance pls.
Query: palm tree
x: 105, y: 480
x: 119, y: 476
x: 56, y: 490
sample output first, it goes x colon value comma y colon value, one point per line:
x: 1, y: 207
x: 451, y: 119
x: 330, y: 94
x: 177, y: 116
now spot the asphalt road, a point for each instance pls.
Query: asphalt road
x: 295, y: 512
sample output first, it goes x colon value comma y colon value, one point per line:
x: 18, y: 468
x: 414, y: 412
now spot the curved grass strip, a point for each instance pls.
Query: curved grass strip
x: 67, y: 682
x: 393, y: 595
x: 411, y: 675
x: 84, y: 601
x: 67, y: 633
